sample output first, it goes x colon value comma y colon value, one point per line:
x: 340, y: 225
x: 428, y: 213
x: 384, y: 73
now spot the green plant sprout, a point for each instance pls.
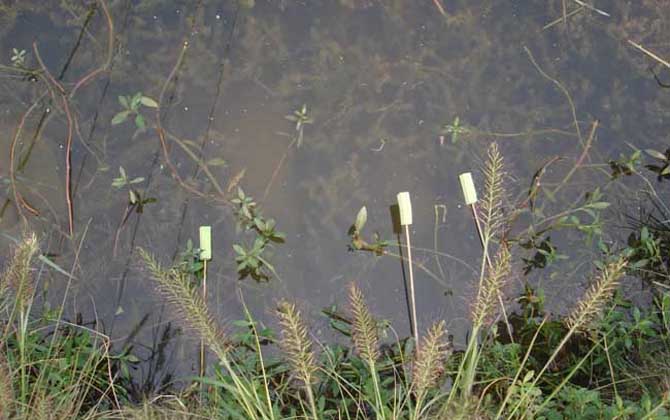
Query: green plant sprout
x: 378, y: 246
x: 300, y: 118
x: 251, y: 261
x: 131, y: 106
x: 455, y: 129
x: 625, y: 165
x: 18, y: 57
x: 134, y: 197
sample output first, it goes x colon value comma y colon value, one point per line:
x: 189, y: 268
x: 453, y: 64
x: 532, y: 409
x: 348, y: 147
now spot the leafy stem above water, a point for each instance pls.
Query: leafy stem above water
x: 300, y: 118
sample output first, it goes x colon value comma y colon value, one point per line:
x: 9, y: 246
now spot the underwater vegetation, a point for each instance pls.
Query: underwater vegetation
x: 541, y: 290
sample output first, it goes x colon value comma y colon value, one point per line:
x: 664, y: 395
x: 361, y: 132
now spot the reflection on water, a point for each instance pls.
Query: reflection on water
x: 402, y: 99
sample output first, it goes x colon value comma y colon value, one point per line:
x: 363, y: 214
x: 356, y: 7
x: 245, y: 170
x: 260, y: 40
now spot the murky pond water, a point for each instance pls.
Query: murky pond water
x: 397, y: 97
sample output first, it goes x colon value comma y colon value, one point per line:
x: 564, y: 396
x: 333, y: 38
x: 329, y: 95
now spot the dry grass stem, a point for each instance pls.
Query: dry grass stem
x: 295, y: 342
x: 364, y: 328
x: 600, y: 292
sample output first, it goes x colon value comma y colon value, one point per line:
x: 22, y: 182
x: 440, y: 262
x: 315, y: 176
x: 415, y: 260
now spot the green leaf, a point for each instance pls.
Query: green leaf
x: 239, y: 249
x: 644, y: 234
x: 139, y: 121
x: 656, y: 154
x: 361, y: 218
x: 118, y: 182
x: 147, y: 101
x: 137, y: 180
x: 600, y: 205
x: 132, y: 196
x: 136, y: 100
x: 216, y: 162
x: 120, y: 117
x: 124, y: 101
x: 123, y: 173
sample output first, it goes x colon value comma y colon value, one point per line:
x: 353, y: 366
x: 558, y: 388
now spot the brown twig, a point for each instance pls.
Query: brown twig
x: 580, y: 159
x: 440, y: 8
x: 68, y: 167
x: 110, y: 50
x: 563, y: 89
x: 275, y: 173
x: 18, y: 198
x: 650, y: 53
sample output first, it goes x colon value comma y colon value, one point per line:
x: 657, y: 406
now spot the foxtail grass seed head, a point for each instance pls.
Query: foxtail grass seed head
x: 494, y: 282
x: 468, y: 188
x: 174, y: 285
x: 364, y: 327
x: 17, y: 275
x: 491, y: 204
x: 430, y: 359
x: 295, y: 342
x: 405, y: 208
x: 205, y: 243
x: 599, y: 294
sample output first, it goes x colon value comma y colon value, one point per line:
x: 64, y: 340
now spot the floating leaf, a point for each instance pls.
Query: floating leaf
x: 120, y: 117
x: 361, y: 218
x: 147, y: 101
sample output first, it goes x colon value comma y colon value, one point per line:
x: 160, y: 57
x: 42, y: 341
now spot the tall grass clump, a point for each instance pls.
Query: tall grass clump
x: 48, y: 369
x: 492, y: 275
x: 174, y: 285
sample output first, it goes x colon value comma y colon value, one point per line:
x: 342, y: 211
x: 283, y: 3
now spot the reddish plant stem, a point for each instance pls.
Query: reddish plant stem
x: 68, y: 167
x: 18, y: 198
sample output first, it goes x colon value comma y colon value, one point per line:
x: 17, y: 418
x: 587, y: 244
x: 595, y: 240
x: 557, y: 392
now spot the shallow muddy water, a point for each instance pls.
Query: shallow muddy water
x: 384, y: 83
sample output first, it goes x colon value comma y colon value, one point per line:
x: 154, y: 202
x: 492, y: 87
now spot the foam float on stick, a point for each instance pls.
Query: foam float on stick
x: 405, y: 207
x: 405, y: 210
x: 468, y: 187
x: 205, y: 243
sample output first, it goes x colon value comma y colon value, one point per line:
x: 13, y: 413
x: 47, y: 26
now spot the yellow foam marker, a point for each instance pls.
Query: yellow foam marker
x: 405, y: 207
x: 205, y: 242
x: 468, y: 187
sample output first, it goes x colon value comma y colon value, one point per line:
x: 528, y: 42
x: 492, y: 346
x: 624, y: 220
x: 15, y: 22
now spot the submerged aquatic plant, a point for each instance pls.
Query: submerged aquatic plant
x: 300, y: 118
x: 131, y: 107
